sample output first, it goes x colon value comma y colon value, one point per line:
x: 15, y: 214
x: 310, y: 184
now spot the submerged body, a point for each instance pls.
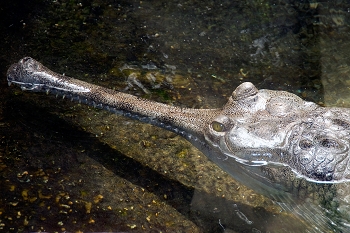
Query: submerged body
x: 290, y: 150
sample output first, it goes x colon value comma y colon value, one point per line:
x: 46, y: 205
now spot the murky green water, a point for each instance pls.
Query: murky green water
x: 67, y: 167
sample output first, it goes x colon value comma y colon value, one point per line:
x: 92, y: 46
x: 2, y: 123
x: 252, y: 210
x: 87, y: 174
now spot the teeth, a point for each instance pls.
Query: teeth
x: 9, y: 83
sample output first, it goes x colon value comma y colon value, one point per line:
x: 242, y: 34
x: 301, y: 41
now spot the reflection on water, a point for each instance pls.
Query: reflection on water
x: 69, y: 167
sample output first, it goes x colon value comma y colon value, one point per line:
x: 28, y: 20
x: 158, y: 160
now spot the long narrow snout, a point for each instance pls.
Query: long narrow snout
x: 31, y: 75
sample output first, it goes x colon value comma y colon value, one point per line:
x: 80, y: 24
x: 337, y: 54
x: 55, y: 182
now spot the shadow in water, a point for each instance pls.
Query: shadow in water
x: 38, y: 139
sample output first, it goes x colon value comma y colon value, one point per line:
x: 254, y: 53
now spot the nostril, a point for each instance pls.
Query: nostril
x: 12, y: 72
x: 25, y: 59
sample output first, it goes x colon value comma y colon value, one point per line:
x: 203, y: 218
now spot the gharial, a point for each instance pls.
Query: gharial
x: 272, y: 141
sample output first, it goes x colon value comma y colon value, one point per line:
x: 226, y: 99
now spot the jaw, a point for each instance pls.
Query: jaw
x: 249, y: 148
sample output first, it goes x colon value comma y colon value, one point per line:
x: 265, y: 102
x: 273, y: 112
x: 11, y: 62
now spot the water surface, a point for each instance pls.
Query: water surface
x: 69, y: 167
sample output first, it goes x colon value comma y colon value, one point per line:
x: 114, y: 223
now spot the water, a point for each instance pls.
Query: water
x: 71, y: 167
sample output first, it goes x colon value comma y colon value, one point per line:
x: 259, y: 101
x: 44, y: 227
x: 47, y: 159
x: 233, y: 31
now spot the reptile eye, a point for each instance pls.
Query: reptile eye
x: 217, y: 126
x: 305, y: 144
x: 329, y: 143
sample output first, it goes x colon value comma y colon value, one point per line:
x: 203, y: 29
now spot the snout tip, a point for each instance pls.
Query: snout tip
x: 12, y: 73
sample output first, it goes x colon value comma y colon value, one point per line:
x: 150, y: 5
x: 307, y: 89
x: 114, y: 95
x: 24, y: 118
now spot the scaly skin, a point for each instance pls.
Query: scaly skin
x: 272, y: 141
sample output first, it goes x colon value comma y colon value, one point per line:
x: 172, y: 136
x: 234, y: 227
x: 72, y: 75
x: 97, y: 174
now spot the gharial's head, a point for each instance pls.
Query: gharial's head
x: 264, y: 127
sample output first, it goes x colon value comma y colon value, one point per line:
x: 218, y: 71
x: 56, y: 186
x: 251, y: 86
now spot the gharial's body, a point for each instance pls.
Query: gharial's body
x: 272, y: 141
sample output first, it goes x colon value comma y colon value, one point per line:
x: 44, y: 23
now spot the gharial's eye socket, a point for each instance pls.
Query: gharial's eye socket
x: 306, y: 144
x: 329, y: 143
x: 217, y: 126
